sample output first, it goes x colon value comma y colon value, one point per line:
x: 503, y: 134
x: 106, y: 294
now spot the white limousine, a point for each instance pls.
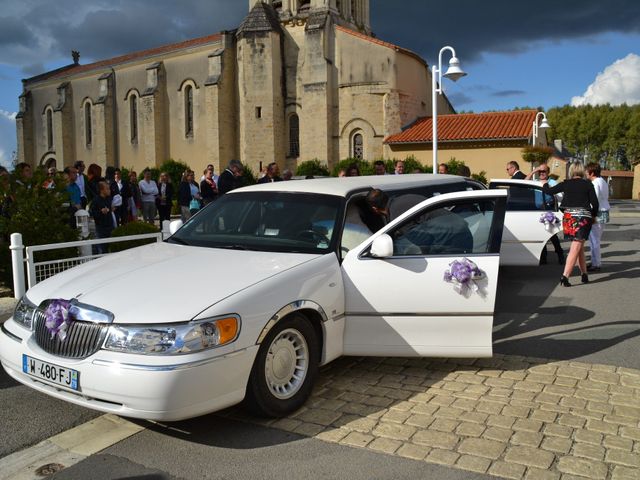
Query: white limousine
x: 251, y: 295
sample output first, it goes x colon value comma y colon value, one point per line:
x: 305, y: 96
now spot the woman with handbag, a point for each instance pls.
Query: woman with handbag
x: 188, y: 196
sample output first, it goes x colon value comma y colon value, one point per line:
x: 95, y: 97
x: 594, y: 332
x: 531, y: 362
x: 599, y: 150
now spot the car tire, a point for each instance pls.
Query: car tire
x: 285, y: 368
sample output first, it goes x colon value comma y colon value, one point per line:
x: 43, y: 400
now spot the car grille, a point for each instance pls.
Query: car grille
x: 83, y: 338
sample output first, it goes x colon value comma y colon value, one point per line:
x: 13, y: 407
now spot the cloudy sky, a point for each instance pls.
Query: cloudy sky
x: 544, y: 53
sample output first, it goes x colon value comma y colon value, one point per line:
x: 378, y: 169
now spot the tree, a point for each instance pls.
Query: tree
x: 602, y: 133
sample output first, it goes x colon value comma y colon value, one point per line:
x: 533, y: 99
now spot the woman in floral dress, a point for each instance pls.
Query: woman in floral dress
x: 579, y: 206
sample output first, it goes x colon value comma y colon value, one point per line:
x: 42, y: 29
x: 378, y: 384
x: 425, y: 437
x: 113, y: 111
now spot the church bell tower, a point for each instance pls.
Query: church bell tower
x: 350, y: 13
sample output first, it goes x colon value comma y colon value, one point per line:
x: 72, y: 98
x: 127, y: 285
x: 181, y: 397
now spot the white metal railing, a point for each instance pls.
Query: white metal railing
x: 38, y: 271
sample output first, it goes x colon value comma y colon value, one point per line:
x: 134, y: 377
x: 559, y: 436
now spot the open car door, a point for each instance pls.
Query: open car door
x: 524, y: 234
x: 400, y: 297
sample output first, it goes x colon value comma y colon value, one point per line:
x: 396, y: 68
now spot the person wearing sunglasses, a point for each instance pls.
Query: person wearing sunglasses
x: 542, y: 172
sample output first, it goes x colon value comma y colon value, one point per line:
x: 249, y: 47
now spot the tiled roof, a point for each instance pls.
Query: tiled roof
x: 380, y: 42
x: 75, y: 69
x: 514, y: 125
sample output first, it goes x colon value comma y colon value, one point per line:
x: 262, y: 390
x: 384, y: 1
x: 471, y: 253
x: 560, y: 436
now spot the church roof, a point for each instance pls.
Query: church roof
x: 382, y: 43
x: 512, y: 125
x: 261, y: 18
x: 74, y: 69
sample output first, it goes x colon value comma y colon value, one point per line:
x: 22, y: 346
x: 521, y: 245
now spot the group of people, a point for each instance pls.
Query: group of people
x: 585, y: 207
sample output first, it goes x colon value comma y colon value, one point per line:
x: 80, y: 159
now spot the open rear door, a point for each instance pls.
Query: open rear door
x: 524, y: 235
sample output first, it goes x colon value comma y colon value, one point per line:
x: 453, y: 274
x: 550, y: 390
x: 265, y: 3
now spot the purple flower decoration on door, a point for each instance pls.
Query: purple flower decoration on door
x: 463, y: 274
x: 550, y: 221
x: 57, y: 318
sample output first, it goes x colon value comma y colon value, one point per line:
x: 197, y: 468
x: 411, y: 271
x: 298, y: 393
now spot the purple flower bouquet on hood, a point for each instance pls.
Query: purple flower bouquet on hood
x: 57, y: 318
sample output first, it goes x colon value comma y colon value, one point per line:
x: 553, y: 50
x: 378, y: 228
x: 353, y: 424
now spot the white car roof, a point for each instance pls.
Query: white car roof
x: 344, y: 185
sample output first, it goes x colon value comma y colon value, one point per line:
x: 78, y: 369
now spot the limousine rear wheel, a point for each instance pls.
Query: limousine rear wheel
x: 285, y: 368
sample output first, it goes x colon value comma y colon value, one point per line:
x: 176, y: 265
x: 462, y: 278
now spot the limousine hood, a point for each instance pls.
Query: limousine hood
x: 164, y: 282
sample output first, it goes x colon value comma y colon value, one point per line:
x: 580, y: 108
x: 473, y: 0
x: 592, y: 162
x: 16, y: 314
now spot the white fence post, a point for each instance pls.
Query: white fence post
x: 31, y: 267
x: 17, y: 264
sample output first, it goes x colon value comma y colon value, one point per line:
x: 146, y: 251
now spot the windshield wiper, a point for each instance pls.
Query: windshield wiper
x: 235, y: 246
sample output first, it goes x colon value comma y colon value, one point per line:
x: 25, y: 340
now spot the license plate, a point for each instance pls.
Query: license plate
x: 65, y: 377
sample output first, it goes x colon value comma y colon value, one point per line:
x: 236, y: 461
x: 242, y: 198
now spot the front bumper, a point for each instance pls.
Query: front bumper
x: 167, y: 389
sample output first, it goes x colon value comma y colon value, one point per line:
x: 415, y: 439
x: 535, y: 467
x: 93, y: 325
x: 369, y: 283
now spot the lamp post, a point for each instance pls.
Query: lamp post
x: 454, y: 72
x: 543, y: 124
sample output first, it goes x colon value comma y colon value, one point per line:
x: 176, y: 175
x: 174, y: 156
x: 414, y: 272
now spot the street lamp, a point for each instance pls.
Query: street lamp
x: 454, y: 72
x: 543, y: 124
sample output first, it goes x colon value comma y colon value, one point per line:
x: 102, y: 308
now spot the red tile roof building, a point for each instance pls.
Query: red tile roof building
x: 466, y: 127
x: 483, y: 141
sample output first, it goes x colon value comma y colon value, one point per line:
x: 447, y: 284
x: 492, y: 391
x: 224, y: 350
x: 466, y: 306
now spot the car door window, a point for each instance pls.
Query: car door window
x: 461, y: 228
x: 527, y: 198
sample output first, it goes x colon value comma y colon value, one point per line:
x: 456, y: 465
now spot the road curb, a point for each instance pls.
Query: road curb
x: 67, y: 448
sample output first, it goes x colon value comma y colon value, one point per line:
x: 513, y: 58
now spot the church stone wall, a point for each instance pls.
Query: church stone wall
x: 130, y: 79
x: 87, y: 88
x: 182, y: 70
x: 261, y: 102
x: 41, y: 99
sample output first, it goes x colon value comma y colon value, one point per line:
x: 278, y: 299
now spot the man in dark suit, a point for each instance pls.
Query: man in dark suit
x: 119, y: 186
x: 231, y: 178
x: 272, y: 175
x: 513, y: 169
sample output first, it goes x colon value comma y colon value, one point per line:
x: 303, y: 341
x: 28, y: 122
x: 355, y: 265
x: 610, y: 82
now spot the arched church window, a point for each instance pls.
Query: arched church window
x: 188, y: 111
x: 88, y: 133
x: 358, y: 146
x: 49, y: 115
x: 294, y: 136
x: 133, y: 117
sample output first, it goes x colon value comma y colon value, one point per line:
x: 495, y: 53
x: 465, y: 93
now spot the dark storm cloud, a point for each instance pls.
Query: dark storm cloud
x: 508, y: 93
x: 505, y: 26
x: 41, y: 30
x: 141, y: 24
x: 12, y: 32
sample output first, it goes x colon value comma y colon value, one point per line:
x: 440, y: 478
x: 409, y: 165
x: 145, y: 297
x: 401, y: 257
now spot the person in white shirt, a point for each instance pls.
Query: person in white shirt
x: 148, y: 194
x: 602, y: 192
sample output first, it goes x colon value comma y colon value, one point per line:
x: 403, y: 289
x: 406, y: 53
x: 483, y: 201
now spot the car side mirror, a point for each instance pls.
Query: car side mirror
x: 382, y: 246
x: 175, y: 226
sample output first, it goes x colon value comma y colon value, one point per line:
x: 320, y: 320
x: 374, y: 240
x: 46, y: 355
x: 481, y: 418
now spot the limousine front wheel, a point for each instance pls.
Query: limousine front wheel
x: 285, y: 368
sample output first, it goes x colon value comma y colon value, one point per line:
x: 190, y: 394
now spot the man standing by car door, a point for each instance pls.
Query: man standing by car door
x: 513, y: 169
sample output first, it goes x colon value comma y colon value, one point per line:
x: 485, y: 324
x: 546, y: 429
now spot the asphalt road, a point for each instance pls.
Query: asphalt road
x: 597, y: 323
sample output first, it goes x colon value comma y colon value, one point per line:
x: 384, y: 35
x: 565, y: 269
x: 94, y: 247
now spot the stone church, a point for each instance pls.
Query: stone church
x: 297, y: 80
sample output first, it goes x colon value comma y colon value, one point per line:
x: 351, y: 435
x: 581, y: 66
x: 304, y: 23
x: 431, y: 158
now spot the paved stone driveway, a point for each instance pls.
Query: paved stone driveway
x: 508, y: 416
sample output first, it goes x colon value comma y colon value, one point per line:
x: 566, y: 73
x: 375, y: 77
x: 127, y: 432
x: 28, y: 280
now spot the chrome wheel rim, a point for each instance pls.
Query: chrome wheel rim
x: 286, y: 364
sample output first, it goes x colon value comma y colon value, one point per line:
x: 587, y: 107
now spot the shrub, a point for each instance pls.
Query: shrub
x: 536, y: 154
x: 249, y: 177
x: 174, y: 169
x: 132, y: 228
x: 453, y: 166
x: 312, y: 167
x: 481, y: 177
x: 39, y: 215
x: 411, y: 165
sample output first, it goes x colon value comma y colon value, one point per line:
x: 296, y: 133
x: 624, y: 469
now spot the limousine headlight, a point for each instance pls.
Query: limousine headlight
x: 23, y: 314
x: 173, y: 339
